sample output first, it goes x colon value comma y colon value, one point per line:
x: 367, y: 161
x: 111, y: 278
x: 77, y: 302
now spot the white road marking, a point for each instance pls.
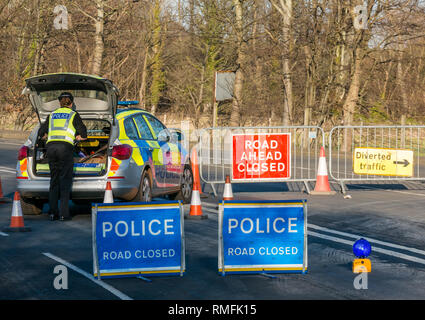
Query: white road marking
x: 3, y: 234
x: 7, y: 169
x: 211, y: 205
x: 375, y: 249
x: 354, y: 236
x: 104, y: 285
x: 11, y: 143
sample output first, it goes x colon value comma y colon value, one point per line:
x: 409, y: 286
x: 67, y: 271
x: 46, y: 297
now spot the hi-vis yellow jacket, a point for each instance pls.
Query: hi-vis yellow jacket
x: 61, y: 127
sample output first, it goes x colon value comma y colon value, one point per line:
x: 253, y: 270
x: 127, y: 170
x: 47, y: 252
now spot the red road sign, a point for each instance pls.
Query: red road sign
x: 261, y: 156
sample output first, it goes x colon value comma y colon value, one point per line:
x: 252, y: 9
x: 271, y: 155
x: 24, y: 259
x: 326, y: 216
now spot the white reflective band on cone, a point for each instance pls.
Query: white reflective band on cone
x: 109, y: 196
x: 228, y: 191
x: 196, y: 199
x: 16, y: 209
x: 322, y: 170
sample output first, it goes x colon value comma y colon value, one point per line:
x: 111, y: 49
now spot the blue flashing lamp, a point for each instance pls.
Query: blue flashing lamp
x: 362, y: 248
x: 128, y: 103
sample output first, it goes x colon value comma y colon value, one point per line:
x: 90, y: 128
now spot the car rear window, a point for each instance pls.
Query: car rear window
x: 130, y: 129
x: 47, y: 96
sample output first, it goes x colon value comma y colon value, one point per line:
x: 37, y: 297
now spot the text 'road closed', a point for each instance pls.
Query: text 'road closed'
x: 261, y: 156
x: 259, y: 236
x: 135, y: 238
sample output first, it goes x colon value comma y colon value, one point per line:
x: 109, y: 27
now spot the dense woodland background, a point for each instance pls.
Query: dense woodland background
x: 297, y: 62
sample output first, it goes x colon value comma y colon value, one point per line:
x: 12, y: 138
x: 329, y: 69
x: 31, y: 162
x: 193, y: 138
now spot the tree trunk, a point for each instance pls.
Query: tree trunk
x: 401, y: 84
x: 157, y: 73
x: 310, y: 88
x: 351, y: 100
x: 239, y: 76
x: 287, y: 74
x: 98, y: 38
x: 284, y: 7
x: 142, y: 89
x: 258, y: 80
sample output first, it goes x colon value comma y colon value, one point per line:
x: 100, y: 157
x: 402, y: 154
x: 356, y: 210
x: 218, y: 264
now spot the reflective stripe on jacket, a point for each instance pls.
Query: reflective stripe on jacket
x: 61, y: 126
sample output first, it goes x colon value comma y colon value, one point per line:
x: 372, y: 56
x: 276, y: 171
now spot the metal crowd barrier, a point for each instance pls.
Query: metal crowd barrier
x: 401, y: 146
x: 215, y: 152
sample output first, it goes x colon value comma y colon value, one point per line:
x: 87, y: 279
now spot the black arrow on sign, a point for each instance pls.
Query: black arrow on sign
x: 405, y: 162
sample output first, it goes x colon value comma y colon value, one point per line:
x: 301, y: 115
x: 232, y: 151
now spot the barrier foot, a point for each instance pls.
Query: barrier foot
x: 202, y: 195
x: 214, y: 191
x: 307, y: 189
x: 196, y: 217
x: 343, y: 189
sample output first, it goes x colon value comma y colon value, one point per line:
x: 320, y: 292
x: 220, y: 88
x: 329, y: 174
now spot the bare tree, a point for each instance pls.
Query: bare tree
x: 285, y: 9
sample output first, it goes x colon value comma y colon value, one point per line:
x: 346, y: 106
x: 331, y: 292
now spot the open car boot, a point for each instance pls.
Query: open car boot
x: 90, y: 156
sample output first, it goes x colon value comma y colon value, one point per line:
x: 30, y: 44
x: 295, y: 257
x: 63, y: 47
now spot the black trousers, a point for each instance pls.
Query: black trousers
x: 61, y: 163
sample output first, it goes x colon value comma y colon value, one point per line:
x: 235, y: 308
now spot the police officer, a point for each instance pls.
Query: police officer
x: 62, y: 127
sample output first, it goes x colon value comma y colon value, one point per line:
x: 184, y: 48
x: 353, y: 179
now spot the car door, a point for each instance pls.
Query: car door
x: 148, y: 143
x: 139, y: 156
x: 170, y: 152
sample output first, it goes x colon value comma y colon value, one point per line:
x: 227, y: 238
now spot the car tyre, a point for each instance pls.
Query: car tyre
x: 31, y: 207
x: 145, y: 189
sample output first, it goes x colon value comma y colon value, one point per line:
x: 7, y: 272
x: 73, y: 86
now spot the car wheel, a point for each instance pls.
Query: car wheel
x: 31, y: 207
x: 186, y: 186
x: 145, y: 189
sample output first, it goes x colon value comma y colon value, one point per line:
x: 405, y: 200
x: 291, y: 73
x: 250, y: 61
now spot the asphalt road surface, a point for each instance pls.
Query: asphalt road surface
x: 391, y: 216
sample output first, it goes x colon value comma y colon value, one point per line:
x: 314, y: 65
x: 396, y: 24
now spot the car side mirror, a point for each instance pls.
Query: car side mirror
x: 176, y: 136
x: 163, y: 136
x: 180, y: 136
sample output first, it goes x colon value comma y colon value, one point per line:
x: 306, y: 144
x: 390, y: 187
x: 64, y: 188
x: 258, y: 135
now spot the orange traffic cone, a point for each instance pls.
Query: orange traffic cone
x: 195, y: 171
x: 322, y: 182
x: 3, y: 199
x: 17, y: 219
x: 227, y: 194
x: 195, y: 204
x: 109, y: 197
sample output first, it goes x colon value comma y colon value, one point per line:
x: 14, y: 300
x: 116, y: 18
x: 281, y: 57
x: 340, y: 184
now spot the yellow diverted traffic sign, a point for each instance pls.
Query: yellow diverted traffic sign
x: 383, y: 162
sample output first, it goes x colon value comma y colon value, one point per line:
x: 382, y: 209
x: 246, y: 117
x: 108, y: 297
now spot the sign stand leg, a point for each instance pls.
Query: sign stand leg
x: 143, y: 278
x: 264, y: 274
x: 94, y: 243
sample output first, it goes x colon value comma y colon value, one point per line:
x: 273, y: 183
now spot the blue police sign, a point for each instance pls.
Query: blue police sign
x: 262, y: 237
x: 138, y: 239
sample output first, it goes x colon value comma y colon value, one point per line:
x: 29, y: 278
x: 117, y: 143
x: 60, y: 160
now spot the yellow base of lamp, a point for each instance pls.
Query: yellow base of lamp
x: 362, y: 265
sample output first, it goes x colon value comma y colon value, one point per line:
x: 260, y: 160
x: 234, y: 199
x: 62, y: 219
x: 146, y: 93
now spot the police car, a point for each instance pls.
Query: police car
x: 129, y: 147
